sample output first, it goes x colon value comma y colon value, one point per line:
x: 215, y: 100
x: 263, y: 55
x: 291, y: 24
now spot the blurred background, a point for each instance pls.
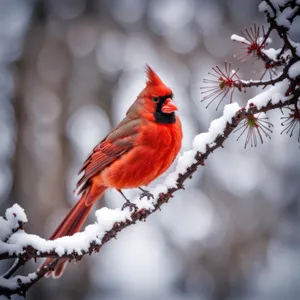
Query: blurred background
x: 69, y: 69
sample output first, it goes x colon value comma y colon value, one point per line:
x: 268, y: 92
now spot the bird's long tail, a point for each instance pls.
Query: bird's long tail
x: 72, y: 223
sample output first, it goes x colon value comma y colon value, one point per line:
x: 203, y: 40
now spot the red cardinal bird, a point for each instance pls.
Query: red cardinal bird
x: 142, y: 146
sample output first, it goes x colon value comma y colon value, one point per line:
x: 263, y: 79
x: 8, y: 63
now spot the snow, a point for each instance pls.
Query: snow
x: 14, y: 215
x: 250, y: 81
x: 282, y: 19
x: 238, y: 38
x: 5, y: 229
x: 160, y: 188
x: 184, y: 162
x: 261, y: 39
x: 296, y: 45
x: 8, y: 283
x: 60, y: 250
x: 263, y: 6
x: 274, y: 94
x: 171, y: 180
x: 294, y: 70
x: 106, y: 218
x: 14, y: 282
x: 279, y: 3
x: 144, y: 203
x: 271, y: 53
x: 241, y: 39
x: 202, y: 140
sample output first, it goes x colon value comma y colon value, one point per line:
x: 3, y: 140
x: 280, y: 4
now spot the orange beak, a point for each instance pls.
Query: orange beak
x: 169, y: 106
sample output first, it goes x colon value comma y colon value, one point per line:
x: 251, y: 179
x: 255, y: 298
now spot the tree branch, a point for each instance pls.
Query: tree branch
x: 257, y: 83
x: 281, y: 30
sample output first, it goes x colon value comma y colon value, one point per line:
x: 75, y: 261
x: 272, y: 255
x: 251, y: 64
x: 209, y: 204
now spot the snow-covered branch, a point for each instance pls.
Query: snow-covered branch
x: 280, y: 15
x: 282, y: 91
x: 109, y: 222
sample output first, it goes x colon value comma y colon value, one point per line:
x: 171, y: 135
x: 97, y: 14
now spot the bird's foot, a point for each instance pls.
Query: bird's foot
x: 132, y: 206
x: 146, y: 193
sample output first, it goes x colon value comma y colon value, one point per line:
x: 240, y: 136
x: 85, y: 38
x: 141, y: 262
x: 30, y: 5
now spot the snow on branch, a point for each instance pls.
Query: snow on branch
x: 282, y: 91
x: 24, y: 246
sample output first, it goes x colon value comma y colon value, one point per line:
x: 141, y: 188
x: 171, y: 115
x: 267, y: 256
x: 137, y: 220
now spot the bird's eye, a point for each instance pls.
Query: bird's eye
x: 155, y: 99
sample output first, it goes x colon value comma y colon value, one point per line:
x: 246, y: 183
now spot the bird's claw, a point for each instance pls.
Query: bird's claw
x: 132, y: 206
x: 147, y: 194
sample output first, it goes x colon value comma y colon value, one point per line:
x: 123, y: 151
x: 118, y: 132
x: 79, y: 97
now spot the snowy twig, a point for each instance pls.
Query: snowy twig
x: 282, y: 27
x: 19, y: 285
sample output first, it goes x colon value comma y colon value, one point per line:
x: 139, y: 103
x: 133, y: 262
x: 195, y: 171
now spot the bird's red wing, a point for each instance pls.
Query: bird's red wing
x: 118, y: 142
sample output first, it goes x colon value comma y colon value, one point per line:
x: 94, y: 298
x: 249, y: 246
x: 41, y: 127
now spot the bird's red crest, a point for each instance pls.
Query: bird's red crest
x: 152, y: 77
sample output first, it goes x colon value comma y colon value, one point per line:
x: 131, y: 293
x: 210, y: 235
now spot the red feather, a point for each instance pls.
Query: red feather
x: 152, y: 77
